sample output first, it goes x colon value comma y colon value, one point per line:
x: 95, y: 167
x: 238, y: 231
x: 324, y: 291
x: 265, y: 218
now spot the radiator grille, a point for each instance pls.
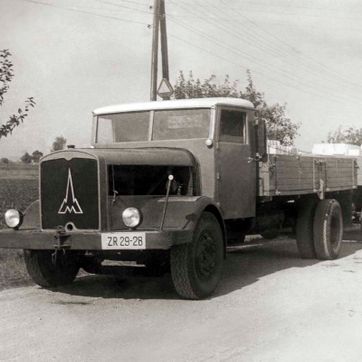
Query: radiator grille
x: 69, y: 193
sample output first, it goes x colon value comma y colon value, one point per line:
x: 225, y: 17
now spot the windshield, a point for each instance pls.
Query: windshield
x: 123, y: 127
x: 167, y: 125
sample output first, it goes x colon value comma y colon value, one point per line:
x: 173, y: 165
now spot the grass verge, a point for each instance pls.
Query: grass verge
x: 12, y: 269
x: 14, y: 193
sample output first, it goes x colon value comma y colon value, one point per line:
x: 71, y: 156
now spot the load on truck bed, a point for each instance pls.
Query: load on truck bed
x: 169, y: 186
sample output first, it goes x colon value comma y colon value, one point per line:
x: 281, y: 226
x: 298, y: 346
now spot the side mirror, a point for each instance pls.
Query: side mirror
x: 260, y: 140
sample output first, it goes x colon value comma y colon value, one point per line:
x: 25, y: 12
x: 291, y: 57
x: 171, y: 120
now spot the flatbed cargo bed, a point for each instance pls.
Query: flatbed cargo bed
x: 284, y: 175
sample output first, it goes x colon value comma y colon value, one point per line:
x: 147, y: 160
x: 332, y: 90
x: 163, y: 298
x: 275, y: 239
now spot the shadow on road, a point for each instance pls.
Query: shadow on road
x: 243, y: 267
x: 247, y: 266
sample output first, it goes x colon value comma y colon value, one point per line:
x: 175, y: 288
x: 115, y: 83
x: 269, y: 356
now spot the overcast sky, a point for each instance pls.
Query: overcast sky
x: 73, y: 56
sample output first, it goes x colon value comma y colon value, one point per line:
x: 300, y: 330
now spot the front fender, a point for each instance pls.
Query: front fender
x: 185, y: 212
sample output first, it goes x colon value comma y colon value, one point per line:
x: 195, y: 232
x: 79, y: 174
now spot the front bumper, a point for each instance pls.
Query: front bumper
x: 38, y: 240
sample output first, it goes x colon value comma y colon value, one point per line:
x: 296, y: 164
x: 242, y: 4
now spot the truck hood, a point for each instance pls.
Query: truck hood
x: 136, y: 156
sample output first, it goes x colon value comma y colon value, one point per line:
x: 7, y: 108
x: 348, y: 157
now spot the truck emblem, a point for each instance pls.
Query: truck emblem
x: 70, y: 203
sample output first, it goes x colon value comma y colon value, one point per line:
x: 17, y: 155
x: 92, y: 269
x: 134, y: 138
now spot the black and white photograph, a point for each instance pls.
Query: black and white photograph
x: 180, y: 180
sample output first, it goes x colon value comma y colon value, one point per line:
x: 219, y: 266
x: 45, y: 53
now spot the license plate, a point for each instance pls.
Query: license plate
x: 124, y: 241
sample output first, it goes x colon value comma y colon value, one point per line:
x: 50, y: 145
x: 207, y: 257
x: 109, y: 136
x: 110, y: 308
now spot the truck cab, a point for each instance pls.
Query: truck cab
x: 218, y: 134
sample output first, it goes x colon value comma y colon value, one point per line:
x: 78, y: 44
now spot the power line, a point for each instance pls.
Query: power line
x: 261, y: 40
x: 253, y: 3
x: 246, y: 68
x: 124, y: 6
x: 276, y: 10
x: 334, y: 100
x: 257, y: 43
x: 231, y: 31
x: 309, y: 70
x: 282, y: 41
x: 311, y: 90
x: 143, y: 11
x: 85, y: 12
x: 134, y: 2
x: 268, y: 34
x: 299, y: 53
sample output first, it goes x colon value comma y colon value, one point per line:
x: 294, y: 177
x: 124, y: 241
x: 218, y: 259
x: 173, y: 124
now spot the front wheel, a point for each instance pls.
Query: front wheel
x: 47, y: 274
x: 196, y: 267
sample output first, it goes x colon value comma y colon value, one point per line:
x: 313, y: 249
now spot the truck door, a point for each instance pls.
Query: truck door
x: 235, y: 173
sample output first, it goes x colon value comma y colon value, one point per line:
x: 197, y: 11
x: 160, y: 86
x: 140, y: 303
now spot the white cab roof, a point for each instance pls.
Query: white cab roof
x: 175, y: 104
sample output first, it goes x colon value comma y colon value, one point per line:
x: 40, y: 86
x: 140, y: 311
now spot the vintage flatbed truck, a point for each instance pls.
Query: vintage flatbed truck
x: 171, y: 184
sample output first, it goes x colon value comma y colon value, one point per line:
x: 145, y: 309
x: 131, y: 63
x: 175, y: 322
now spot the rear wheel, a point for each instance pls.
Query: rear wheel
x: 304, y: 229
x: 328, y: 229
x: 47, y: 274
x: 196, y: 267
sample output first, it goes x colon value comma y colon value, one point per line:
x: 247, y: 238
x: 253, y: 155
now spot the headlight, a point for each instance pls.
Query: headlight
x: 131, y: 217
x: 13, y: 218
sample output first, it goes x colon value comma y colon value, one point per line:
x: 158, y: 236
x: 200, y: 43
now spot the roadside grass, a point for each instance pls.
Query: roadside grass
x: 12, y: 269
x: 15, y: 193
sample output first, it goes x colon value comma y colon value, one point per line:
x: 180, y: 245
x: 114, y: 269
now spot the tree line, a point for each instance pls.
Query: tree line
x: 58, y: 144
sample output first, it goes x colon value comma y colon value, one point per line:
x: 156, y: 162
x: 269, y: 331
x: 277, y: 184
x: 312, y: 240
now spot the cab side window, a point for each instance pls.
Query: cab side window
x: 232, y: 126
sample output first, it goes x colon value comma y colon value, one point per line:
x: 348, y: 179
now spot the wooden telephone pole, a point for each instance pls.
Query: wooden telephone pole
x: 159, y: 26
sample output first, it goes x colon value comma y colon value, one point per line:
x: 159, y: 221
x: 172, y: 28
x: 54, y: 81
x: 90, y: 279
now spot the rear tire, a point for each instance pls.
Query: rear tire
x: 304, y: 229
x: 44, y: 273
x: 196, y: 267
x: 328, y: 229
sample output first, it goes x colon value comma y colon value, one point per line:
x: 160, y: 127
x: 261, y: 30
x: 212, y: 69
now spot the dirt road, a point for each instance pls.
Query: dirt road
x: 270, y: 306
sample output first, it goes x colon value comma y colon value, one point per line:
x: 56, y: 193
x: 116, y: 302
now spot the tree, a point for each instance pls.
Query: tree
x: 36, y: 155
x: 280, y: 127
x: 6, y: 75
x: 26, y: 158
x: 349, y: 135
x: 4, y: 160
x: 59, y: 144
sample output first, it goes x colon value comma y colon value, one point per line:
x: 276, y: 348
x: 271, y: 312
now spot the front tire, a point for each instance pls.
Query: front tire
x: 196, y: 267
x: 47, y: 274
x: 328, y: 229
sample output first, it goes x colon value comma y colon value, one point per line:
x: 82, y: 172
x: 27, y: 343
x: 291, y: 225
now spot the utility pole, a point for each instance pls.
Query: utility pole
x: 164, y: 47
x: 159, y: 25
x: 154, y: 60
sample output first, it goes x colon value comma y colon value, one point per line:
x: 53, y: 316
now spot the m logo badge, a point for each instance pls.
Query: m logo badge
x: 70, y: 203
